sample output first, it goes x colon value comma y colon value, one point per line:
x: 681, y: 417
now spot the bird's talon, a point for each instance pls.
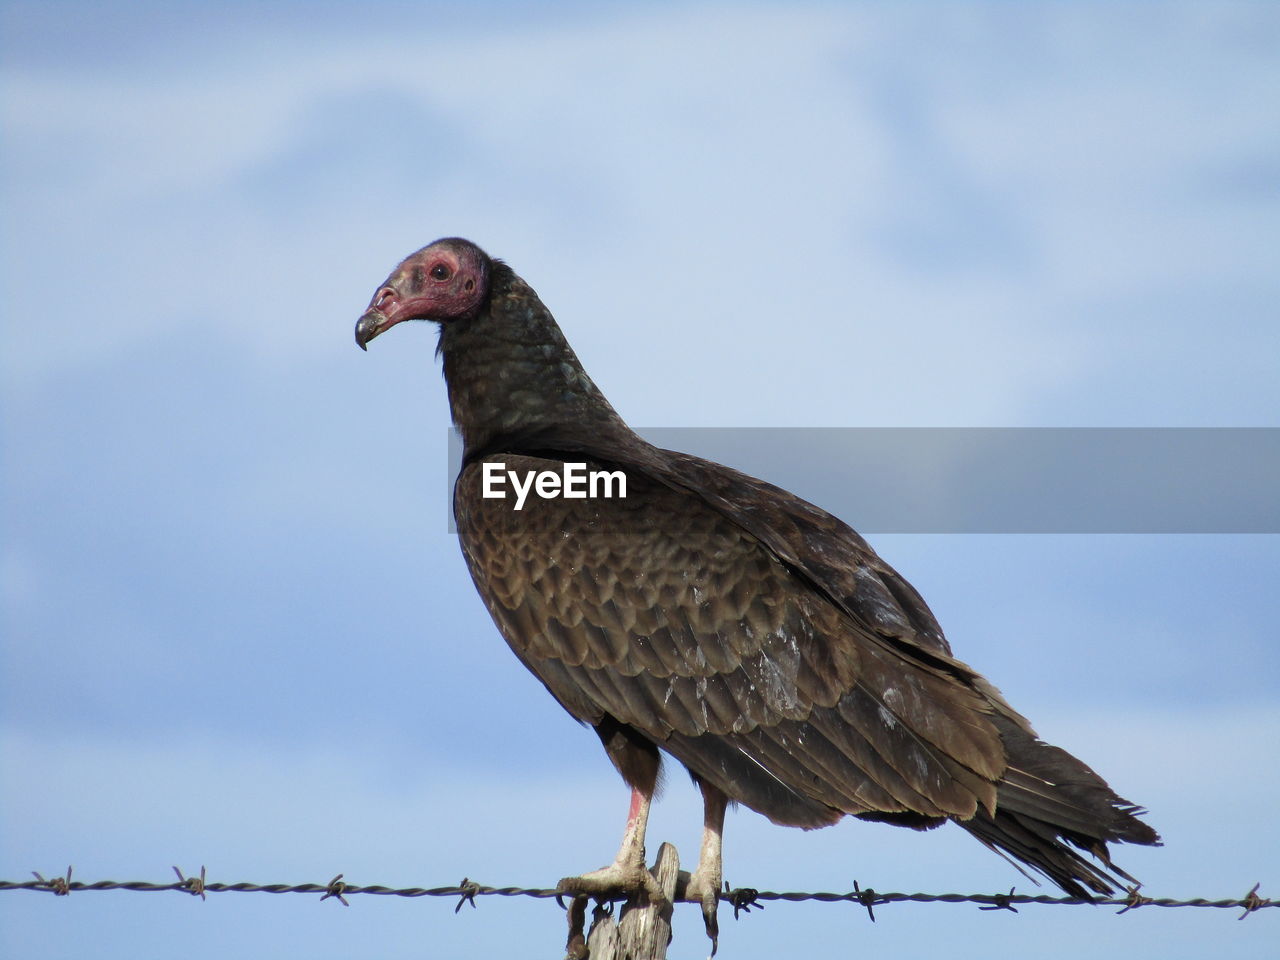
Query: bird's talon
x: 612, y: 883
x: 706, y: 893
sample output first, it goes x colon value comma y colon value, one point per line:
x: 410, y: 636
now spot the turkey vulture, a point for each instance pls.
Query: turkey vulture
x: 747, y: 633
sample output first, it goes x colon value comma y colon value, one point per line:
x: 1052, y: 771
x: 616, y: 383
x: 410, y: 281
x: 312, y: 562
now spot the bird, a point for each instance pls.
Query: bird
x: 683, y: 608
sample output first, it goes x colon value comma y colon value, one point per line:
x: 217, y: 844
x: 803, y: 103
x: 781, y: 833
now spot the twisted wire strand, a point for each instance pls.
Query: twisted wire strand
x: 742, y: 899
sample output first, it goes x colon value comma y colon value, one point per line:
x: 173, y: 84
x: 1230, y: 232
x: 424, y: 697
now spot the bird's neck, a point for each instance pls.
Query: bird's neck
x: 512, y: 375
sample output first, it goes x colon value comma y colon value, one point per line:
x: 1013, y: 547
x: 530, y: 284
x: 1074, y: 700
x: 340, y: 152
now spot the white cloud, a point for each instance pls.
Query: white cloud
x: 674, y: 176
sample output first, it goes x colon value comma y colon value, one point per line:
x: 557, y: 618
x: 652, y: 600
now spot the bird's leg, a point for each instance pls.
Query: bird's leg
x: 628, y: 871
x: 704, y: 884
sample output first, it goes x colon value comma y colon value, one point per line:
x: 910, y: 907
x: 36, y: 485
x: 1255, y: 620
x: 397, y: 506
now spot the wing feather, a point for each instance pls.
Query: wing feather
x: 669, y: 616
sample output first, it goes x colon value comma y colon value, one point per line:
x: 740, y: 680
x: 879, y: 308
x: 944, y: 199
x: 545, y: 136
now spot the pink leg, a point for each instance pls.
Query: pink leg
x: 632, y: 849
x: 704, y: 884
x: 628, y: 870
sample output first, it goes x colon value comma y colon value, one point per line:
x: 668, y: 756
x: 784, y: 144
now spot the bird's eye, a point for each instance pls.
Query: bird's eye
x: 439, y: 272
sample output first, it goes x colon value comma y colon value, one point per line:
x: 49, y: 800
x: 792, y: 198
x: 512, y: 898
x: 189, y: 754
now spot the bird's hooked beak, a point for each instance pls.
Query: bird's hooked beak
x: 371, y: 323
x: 385, y: 310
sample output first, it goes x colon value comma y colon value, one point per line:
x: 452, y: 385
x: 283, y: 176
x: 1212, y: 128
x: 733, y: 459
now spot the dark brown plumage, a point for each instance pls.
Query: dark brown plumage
x: 710, y: 615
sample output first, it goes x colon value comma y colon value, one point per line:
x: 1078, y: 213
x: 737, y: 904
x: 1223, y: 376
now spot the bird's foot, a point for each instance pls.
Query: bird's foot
x: 617, y: 878
x: 704, y: 888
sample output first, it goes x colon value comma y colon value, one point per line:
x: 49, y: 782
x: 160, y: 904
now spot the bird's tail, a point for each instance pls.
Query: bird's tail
x: 1049, y: 806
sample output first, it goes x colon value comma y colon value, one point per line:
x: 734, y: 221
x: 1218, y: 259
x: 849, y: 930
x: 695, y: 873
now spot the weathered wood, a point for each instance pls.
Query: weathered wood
x: 605, y: 939
x: 576, y: 947
x: 643, y: 927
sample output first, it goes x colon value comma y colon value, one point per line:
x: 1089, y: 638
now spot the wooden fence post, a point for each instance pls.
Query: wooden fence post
x: 642, y: 929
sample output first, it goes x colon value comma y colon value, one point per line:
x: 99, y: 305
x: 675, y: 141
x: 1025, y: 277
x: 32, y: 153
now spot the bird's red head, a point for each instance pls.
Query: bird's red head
x: 447, y: 280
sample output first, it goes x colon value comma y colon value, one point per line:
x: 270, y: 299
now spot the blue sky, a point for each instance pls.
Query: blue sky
x: 236, y: 629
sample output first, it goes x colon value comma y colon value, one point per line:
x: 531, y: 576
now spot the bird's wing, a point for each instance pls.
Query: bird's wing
x: 746, y: 632
x: 823, y: 548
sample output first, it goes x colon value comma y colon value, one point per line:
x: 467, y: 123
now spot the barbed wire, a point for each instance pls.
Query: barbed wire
x: 742, y: 899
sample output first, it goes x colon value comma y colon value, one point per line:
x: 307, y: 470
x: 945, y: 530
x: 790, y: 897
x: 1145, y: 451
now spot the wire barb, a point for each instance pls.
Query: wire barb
x: 61, y: 886
x: 1251, y: 901
x: 194, y: 885
x: 336, y: 888
x: 743, y: 899
x: 867, y: 897
x: 1134, y: 900
x: 1002, y: 901
x: 468, y: 889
